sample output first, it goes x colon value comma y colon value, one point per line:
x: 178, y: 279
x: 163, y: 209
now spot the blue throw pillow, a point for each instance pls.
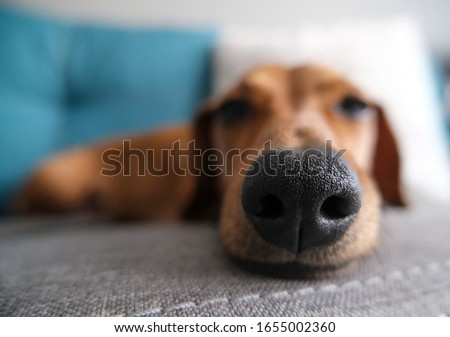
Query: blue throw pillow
x: 64, y: 84
x: 440, y: 82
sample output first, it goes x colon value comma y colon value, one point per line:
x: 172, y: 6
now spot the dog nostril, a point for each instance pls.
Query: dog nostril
x: 337, y: 207
x: 271, y: 207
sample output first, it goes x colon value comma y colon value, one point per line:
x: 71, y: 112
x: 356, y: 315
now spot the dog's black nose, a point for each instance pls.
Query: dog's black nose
x: 301, y: 199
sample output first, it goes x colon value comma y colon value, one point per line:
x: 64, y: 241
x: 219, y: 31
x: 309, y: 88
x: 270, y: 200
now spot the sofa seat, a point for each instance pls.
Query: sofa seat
x: 82, y: 267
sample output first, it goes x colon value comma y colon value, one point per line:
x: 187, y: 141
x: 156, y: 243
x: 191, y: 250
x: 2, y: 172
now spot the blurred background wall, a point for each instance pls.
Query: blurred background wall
x: 432, y: 14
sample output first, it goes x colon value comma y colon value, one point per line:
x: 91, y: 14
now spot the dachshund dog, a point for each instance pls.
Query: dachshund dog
x: 292, y: 163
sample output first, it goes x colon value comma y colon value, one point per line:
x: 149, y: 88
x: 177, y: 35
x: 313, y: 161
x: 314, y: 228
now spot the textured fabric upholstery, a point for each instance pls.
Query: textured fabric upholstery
x: 67, y: 266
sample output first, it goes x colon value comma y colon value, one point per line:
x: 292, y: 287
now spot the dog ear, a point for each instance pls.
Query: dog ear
x: 203, y: 125
x: 207, y: 189
x: 387, y: 163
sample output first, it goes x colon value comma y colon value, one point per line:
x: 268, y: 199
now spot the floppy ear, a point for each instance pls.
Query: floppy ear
x: 203, y: 125
x: 207, y: 189
x: 387, y: 163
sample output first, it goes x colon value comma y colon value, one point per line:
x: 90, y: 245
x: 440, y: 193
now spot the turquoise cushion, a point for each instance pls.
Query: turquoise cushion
x: 64, y: 84
x: 440, y: 82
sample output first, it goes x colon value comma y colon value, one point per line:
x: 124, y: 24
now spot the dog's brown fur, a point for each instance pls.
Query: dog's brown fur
x: 291, y: 107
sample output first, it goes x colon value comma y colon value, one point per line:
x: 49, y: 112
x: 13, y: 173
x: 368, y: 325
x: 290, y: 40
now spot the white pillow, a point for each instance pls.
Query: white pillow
x: 387, y: 59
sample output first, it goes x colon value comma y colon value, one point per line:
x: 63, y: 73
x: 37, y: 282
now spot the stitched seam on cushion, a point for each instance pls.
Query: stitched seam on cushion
x: 285, y: 294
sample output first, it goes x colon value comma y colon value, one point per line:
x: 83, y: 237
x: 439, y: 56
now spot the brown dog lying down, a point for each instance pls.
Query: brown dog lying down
x: 292, y: 162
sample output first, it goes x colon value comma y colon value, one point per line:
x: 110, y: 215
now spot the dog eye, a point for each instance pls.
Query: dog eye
x: 233, y: 111
x: 354, y: 108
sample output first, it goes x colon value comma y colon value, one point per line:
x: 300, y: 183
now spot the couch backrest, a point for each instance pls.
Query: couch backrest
x: 64, y: 84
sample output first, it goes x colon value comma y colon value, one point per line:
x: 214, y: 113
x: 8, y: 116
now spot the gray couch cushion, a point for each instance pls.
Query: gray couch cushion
x: 75, y: 267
